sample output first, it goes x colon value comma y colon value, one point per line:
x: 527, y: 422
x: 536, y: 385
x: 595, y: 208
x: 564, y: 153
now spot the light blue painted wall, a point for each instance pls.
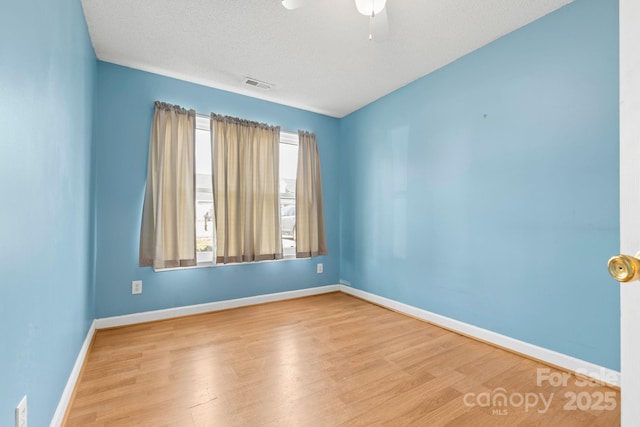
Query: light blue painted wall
x: 47, y: 88
x: 124, y: 114
x: 488, y: 190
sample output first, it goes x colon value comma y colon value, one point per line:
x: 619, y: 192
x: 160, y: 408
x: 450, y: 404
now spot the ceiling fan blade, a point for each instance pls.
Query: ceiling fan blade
x: 294, y: 4
x: 379, y: 26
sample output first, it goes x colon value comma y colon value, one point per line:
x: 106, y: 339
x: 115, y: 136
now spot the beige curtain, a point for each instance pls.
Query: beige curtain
x: 167, y: 236
x: 245, y: 190
x: 311, y: 240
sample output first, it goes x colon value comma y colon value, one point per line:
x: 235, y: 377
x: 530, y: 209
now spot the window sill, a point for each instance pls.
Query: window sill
x: 211, y: 264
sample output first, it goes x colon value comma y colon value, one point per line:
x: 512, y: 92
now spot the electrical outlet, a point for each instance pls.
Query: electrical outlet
x: 21, y: 413
x: 136, y: 287
x: 320, y: 268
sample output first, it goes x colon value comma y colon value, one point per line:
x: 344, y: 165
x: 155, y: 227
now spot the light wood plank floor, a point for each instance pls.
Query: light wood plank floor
x: 328, y: 360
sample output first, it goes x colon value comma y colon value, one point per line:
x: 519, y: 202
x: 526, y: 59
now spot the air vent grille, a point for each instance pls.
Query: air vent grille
x: 257, y: 83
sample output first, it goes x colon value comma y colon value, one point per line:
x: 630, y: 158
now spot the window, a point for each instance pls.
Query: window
x: 205, y: 233
x: 288, y: 171
x: 205, y: 236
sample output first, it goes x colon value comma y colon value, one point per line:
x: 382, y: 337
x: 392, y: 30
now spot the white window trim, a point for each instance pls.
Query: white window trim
x: 203, y: 123
x: 287, y: 137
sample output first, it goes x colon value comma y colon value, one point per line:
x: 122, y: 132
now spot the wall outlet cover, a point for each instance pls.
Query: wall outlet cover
x: 320, y: 268
x: 136, y: 287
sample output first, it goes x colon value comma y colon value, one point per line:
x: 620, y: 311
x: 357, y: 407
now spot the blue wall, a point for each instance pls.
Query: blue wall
x: 47, y: 88
x: 124, y: 113
x: 487, y: 191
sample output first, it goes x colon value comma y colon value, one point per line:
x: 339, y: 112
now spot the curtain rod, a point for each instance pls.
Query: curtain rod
x: 209, y: 116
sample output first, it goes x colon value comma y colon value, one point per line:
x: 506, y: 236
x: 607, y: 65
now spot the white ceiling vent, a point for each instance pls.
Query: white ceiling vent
x: 257, y: 83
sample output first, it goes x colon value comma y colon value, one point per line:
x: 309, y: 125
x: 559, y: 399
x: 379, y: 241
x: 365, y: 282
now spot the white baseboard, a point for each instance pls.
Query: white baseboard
x: 551, y: 357
x: 65, y: 399
x: 149, y: 316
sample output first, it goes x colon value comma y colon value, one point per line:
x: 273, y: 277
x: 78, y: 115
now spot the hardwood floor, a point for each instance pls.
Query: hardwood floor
x: 328, y: 360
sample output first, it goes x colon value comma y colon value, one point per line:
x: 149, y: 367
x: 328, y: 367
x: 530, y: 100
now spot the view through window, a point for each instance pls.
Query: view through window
x: 205, y: 236
x: 288, y: 171
x: 205, y: 224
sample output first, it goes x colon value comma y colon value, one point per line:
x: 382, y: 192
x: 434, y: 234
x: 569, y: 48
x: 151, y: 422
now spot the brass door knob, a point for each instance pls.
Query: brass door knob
x: 625, y: 268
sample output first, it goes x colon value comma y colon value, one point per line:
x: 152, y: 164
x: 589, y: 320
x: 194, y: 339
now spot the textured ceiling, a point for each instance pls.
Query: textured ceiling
x: 318, y: 58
